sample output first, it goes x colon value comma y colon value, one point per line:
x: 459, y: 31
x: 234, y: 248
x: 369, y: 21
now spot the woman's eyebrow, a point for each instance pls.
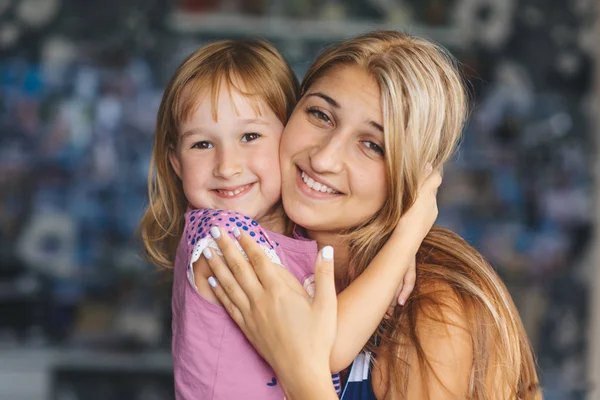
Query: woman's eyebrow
x: 328, y: 99
x: 335, y: 104
x: 376, y: 125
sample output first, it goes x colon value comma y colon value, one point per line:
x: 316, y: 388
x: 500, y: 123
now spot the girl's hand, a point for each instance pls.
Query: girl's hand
x: 293, y: 333
x: 406, y: 287
x: 415, y: 224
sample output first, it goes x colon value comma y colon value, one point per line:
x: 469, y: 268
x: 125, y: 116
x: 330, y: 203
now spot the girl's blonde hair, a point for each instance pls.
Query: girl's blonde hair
x: 253, y: 68
x: 424, y: 105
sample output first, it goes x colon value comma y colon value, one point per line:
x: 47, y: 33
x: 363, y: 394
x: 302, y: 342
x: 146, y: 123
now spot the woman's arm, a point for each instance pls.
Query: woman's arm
x: 362, y: 305
x: 293, y: 333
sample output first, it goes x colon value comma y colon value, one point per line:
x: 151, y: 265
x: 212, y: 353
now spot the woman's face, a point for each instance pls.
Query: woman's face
x: 332, y: 153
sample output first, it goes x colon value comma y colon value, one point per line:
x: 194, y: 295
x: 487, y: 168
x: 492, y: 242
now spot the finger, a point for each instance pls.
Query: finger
x: 397, y: 295
x: 427, y: 171
x: 430, y: 186
x: 236, y: 262
x: 408, y: 285
x: 259, y: 260
x: 433, y: 180
x: 436, y: 180
x: 325, y: 295
x: 233, y: 311
x: 226, y: 280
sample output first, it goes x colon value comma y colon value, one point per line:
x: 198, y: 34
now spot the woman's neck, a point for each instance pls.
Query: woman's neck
x: 275, y: 220
x: 340, y: 251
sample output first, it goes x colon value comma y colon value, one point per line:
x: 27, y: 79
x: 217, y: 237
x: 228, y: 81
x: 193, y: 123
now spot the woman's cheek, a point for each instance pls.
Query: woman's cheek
x: 295, y: 135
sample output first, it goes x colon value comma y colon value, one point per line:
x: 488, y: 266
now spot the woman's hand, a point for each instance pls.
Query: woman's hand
x: 415, y: 224
x: 292, y: 332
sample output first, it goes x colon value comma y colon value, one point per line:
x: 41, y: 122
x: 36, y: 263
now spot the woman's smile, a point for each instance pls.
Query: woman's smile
x: 332, y: 159
x: 315, y: 187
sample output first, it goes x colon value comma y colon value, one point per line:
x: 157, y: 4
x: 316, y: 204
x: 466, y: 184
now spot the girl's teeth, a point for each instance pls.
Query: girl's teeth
x: 230, y: 192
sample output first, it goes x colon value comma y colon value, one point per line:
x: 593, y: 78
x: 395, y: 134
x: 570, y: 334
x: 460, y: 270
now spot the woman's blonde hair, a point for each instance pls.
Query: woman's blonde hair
x: 424, y: 105
x: 253, y: 68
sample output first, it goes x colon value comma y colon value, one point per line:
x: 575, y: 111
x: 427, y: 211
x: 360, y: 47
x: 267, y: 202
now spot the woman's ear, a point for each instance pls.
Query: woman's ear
x: 175, y: 161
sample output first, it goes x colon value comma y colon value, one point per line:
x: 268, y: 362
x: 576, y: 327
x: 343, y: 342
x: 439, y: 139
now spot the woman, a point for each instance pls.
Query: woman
x: 459, y: 335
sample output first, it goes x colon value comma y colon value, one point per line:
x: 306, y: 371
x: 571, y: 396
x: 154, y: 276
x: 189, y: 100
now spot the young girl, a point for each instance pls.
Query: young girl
x: 216, y: 148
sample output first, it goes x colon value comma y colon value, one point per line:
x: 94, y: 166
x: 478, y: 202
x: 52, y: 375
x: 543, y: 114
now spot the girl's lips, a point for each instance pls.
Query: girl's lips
x: 312, y: 193
x: 233, y: 193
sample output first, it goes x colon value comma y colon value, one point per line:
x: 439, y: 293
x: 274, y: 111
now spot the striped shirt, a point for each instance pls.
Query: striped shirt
x: 337, y: 383
x: 358, y: 386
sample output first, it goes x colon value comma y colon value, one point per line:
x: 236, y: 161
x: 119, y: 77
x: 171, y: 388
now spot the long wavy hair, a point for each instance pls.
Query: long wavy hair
x: 424, y: 104
x: 253, y: 68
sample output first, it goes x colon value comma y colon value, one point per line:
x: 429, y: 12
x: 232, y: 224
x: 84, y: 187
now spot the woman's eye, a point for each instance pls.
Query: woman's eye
x: 250, y: 137
x: 372, y: 146
x: 315, y: 112
x: 203, y: 145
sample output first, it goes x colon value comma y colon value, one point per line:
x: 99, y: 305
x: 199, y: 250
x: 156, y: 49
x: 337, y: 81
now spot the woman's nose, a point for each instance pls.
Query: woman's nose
x: 328, y: 155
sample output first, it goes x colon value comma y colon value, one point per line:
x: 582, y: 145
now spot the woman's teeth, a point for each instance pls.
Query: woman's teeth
x: 319, y: 187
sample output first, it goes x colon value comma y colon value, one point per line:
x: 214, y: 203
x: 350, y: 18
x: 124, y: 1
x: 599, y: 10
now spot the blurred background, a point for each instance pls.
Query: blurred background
x: 83, y: 316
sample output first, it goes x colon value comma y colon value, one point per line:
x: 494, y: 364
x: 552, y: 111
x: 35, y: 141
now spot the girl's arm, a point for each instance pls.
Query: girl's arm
x: 362, y: 305
x: 292, y: 332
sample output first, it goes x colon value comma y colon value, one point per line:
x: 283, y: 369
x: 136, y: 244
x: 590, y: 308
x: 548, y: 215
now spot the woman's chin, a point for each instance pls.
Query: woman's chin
x: 304, y: 216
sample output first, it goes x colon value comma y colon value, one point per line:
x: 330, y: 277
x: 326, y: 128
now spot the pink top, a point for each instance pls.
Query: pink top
x: 212, y: 358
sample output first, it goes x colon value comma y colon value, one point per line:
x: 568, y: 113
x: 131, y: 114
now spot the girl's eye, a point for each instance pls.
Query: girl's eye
x: 250, y: 137
x: 320, y: 115
x: 203, y: 145
x: 374, y: 147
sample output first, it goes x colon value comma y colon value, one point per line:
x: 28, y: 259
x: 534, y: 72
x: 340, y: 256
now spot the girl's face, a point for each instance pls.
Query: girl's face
x: 231, y: 162
x: 332, y: 153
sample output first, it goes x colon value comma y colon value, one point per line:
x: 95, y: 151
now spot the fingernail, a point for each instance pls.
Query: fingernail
x: 402, y: 301
x: 236, y: 232
x: 214, y: 231
x: 207, y: 253
x: 327, y: 253
x: 212, y: 282
x: 428, y: 168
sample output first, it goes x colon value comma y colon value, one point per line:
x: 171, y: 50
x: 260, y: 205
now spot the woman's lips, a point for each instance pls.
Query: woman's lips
x: 310, y: 188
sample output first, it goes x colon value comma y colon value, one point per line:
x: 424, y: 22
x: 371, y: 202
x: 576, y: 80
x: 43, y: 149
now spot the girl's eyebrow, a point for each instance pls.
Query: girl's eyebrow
x: 328, y: 99
x: 258, y: 121
x: 194, y: 131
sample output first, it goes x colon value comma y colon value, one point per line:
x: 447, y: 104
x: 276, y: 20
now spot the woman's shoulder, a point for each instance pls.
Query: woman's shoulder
x: 440, y: 326
x: 443, y: 301
x: 438, y: 303
x: 448, y: 265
